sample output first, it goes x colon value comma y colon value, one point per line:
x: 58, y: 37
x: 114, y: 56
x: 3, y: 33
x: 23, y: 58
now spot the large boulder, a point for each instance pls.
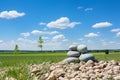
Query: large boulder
x: 73, y: 54
x: 70, y: 59
x: 86, y: 57
x: 73, y: 47
x: 82, y: 48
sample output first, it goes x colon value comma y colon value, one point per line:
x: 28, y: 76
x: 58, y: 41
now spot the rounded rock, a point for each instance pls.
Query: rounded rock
x: 82, y: 48
x: 71, y: 59
x: 86, y: 57
x: 73, y: 47
x: 73, y: 54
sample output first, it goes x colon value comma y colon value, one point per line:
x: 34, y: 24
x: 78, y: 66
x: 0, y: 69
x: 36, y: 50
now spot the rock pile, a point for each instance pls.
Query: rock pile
x: 77, y: 53
x: 85, y: 56
x: 89, y: 70
x: 73, y: 55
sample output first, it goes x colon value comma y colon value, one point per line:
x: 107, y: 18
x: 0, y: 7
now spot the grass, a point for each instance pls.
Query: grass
x: 17, y: 64
x: 107, y: 57
x: 9, y: 60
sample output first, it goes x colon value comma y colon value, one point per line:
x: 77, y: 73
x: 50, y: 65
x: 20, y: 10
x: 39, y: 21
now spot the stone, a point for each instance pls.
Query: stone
x: 89, y: 63
x: 71, y: 59
x: 73, y: 47
x: 80, y: 71
x: 73, y: 54
x: 86, y: 57
x: 82, y: 48
x: 117, y: 78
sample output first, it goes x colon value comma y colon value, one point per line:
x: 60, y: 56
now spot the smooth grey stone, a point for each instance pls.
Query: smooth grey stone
x: 73, y: 54
x: 70, y: 59
x: 73, y: 47
x: 82, y: 48
x: 86, y: 57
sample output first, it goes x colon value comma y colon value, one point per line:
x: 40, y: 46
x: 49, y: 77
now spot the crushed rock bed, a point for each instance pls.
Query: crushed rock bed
x: 102, y: 70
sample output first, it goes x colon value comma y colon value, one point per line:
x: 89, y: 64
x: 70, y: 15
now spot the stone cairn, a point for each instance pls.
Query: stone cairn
x: 77, y: 54
x: 85, y: 69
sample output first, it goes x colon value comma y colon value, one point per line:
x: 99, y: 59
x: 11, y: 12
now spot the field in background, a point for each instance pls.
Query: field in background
x: 16, y: 65
x: 9, y: 59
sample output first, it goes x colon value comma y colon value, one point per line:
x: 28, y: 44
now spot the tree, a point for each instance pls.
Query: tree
x: 40, y: 42
x: 16, y: 50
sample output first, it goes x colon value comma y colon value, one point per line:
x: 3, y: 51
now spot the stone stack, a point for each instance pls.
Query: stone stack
x: 85, y: 56
x: 73, y: 54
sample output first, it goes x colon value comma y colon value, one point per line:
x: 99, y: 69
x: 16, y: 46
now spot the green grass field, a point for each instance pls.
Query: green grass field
x: 18, y: 63
x: 9, y: 59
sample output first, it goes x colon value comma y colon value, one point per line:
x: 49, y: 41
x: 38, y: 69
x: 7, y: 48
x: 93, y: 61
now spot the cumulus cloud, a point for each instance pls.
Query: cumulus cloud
x: 11, y: 14
x: 88, y: 9
x: 58, y: 37
x: 26, y: 40
x: 53, y: 32
x: 44, y: 32
x: 91, y: 35
x: 25, y: 34
x: 102, y: 25
x: 42, y: 23
x: 62, y: 23
x: 118, y: 34
x: 36, y: 32
x: 115, y: 30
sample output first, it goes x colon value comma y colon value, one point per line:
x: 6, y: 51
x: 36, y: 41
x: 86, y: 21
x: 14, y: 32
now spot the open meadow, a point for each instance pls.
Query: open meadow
x: 16, y: 65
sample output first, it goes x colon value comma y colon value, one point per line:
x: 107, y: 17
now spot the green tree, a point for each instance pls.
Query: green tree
x: 16, y: 50
x: 40, y: 42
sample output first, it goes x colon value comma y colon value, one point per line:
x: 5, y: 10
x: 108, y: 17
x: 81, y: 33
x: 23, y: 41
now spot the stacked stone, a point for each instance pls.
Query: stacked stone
x: 85, y: 56
x: 74, y: 54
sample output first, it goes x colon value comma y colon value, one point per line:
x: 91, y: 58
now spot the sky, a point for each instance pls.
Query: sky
x: 61, y: 23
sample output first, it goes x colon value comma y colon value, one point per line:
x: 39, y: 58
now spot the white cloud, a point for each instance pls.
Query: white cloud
x: 115, y: 30
x: 65, y: 40
x: 11, y: 14
x: 118, y: 34
x: 26, y: 40
x: 88, y: 9
x: 44, y: 32
x: 36, y: 32
x: 53, y: 32
x: 62, y: 23
x: 45, y: 38
x: 42, y: 23
x: 102, y: 25
x: 1, y: 41
x: 25, y: 34
x: 28, y: 44
x: 58, y: 37
x: 91, y: 35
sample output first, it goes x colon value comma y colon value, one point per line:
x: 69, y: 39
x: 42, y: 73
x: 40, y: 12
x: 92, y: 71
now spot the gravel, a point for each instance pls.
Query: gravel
x: 90, y: 70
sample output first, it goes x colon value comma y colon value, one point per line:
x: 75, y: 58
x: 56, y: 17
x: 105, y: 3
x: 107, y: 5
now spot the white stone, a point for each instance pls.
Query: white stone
x: 73, y: 47
x: 82, y: 48
x: 73, y: 54
x: 86, y: 57
x: 71, y: 59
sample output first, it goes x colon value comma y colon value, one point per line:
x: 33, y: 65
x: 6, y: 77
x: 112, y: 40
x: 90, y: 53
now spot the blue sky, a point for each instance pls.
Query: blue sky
x: 61, y: 23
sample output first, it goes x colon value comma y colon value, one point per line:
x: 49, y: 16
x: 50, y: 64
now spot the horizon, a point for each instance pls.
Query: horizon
x: 60, y: 23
